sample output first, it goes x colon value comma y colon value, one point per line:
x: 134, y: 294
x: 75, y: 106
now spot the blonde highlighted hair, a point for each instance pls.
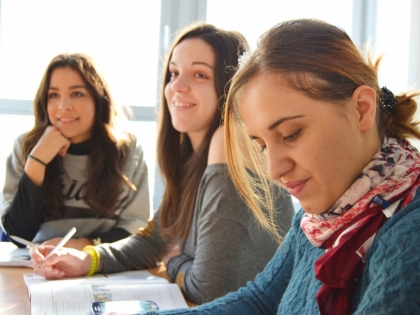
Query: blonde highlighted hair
x: 320, y: 61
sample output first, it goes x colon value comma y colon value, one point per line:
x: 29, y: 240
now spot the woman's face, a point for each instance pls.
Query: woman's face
x: 313, y: 148
x: 191, y: 93
x: 71, y: 107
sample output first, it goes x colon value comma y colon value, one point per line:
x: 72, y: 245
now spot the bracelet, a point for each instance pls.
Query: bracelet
x: 36, y: 159
x: 94, y: 254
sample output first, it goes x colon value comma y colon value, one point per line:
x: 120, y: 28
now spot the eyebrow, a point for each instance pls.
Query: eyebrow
x: 71, y: 87
x: 279, y: 122
x: 202, y: 63
x: 282, y: 120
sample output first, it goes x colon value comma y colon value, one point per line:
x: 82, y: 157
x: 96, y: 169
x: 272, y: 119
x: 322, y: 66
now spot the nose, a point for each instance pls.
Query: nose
x: 65, y: 104
x: 278, y: 163
x: 180, y: 84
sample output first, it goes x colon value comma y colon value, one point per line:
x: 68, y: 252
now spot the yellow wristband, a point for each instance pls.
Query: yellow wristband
x: 94, y: 254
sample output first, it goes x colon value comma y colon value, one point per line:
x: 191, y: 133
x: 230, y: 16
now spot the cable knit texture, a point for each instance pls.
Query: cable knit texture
x: 390, y: 283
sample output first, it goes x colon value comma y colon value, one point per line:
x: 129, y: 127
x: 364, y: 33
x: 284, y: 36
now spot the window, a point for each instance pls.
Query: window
x: 255, y: 17
x: 122, y: 36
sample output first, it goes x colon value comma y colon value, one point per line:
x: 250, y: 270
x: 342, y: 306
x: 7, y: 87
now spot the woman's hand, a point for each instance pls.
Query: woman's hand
x: 66, y: 262
x: 72, y: 243
x: 51, y: 143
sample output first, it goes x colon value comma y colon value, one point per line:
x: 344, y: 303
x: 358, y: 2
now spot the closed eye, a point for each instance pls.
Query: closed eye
x: 260, y: 143
x: 293, y: 136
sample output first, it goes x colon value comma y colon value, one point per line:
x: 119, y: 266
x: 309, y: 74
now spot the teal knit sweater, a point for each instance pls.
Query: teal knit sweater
x: 390, y: 283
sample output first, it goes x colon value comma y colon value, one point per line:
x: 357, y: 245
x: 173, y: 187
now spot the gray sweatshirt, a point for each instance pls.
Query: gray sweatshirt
x: 22, y: 210
x: 226, y: 247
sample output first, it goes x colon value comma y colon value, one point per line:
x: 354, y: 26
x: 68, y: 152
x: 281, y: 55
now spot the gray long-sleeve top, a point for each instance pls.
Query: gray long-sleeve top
x: 226, y: 247
x: 22, y: 213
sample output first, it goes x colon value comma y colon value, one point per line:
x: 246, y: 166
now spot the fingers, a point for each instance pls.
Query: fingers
x: 39, y: 255
x: 47, y: 271
x: 47, y: 266
x: 51, y: 143
x: 39, y: 252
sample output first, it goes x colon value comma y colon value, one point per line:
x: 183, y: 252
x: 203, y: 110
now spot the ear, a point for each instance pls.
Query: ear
x: 364, y: 100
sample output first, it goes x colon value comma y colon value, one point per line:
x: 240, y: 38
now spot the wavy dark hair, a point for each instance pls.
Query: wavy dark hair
x: 107, y: 144
x: 181, y: 167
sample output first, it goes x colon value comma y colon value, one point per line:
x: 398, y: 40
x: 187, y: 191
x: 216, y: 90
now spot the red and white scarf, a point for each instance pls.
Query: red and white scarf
x: 346, y: 231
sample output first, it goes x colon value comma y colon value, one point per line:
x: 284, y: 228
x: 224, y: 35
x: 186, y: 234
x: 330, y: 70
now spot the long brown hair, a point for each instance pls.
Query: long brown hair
x: 107, y: 143
x: 181, y: 167
x: 320, y: 61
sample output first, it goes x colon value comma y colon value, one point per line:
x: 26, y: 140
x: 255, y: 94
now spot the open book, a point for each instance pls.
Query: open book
x: 74, y: 296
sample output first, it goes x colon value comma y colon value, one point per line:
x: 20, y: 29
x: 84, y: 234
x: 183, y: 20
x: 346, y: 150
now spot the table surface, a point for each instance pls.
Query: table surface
x: 14, y: 296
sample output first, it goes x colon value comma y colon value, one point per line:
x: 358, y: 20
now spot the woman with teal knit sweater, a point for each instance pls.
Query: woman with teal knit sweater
x: 308, y: 104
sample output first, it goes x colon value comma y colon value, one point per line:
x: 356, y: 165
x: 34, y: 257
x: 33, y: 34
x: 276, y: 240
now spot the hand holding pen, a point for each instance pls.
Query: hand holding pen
x: 58, y: 262
x: 60, y: 244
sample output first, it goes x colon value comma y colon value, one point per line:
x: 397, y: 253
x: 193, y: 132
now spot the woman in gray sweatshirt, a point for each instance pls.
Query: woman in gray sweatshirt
x: 203, y: 230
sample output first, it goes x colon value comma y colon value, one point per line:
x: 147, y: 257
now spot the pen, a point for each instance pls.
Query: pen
x: 23, y: 241
x: 60, y: 244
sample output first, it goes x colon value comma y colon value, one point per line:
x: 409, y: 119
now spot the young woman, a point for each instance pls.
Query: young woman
x: 338, y: 143
x: 75, y: 167
x: 221, y: 245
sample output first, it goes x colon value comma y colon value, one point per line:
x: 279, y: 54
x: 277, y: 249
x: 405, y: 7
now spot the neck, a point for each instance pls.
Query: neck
x: 196, y: 140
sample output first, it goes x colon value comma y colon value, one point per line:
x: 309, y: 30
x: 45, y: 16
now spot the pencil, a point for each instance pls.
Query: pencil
x: 60, y: 244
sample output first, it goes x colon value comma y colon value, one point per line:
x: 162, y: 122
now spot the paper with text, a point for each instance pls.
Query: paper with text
x: 59, y: 298
x: 74, y: 296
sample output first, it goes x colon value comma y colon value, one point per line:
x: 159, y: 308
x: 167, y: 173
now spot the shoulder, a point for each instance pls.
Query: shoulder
x: 217, y: 147
x: 407, y: 219
x: 18, y: 145
x: 400, y: 235
x: 132, y: 144
x: 391, y: 264
x: 218, y: 197
x: 20, y: 140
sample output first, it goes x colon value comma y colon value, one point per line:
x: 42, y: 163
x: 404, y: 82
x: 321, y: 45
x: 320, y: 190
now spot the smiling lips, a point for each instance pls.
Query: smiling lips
x: 67, y: 120
x: 295, y: 187
x: 182, y: 104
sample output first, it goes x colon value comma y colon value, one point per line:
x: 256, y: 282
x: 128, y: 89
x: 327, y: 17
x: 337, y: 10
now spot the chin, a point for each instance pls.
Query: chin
x: 313, y: 210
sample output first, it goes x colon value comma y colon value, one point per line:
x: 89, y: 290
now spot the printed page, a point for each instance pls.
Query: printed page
x: 126, y: 277
x: 59, y: 298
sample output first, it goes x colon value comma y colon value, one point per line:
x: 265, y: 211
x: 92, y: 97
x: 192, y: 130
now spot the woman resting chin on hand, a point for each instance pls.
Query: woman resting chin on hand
x: 76, y: 167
